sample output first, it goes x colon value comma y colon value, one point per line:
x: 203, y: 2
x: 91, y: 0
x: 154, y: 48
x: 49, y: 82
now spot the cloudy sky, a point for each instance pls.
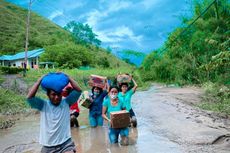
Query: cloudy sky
x: 141, y: 25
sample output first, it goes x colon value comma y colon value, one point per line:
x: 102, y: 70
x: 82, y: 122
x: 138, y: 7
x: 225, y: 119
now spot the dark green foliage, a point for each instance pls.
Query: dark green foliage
x: 82, y: 33
x: 199, y: 55
x: 104, y: 62
x: 10, y: 70
x: 186, y: 56
x: 68, y: 55
x: 133, y: 53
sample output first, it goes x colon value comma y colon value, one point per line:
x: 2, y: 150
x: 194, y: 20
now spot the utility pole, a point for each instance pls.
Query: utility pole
x: 216, y: 6
x: 27, y: 35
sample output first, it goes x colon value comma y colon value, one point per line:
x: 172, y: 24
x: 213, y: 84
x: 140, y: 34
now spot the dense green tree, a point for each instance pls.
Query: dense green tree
x: 68, y: 55
x: 82, y: 33
x: 188, y: 54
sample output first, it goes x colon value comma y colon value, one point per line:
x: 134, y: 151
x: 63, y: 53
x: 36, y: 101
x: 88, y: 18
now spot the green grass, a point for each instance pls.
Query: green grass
x: 82, y: 76
x: 11, y: 103
x: 221, y: 107
x: 216, y: 98
x: 1, y: 79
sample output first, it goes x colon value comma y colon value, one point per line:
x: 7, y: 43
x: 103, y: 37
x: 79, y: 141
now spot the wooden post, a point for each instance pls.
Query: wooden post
x: 27, y: 37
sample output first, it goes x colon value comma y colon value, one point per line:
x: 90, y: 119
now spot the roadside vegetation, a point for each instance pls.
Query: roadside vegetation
x: 197, y: 55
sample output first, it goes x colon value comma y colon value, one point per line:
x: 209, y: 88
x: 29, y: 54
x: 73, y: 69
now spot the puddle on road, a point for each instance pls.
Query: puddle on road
x: 23, y: 138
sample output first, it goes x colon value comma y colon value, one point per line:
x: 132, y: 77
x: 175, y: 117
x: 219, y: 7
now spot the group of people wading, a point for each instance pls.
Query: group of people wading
x: 60, y: 111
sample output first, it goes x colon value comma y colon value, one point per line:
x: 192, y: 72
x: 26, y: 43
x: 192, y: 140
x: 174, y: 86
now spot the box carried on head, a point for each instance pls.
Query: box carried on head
x: 123, y: 78
x: 97, y: 81
x: 120, y: 119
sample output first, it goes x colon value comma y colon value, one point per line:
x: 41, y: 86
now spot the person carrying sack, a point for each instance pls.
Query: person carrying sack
x: 55, y: 135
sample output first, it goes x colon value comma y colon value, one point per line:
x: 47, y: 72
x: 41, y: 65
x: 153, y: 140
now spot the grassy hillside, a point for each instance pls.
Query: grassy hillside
x: 13, y: 26
x: 45, y: 34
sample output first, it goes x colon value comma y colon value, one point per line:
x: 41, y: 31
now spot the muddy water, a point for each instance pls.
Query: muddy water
x: 165, y: 125
x: 24, y: 138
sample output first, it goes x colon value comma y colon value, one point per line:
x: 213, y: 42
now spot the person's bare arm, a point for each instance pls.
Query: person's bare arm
x: 34, y: 89
x: 74, y: 84
x: 135, y: 85
x: 107, y: 86
x: 104, y: 110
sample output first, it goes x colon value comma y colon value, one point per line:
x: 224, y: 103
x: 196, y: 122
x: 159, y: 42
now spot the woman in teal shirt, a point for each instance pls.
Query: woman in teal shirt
x: 125, y: 95
x: 112, y: 104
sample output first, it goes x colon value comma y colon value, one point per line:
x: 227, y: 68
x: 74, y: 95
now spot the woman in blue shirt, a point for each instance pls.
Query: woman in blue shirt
x: 125, y: 95
x: 113, y: 104
x: 95, y: 109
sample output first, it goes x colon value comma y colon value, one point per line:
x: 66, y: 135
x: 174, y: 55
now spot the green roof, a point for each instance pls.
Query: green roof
x: 21, y: 55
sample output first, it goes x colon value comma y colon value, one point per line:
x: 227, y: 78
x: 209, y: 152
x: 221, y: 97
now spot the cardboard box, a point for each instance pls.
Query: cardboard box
x: 98, y: 81
x: 120, y: 119
x: 84, y: 99
x: 124, y: 78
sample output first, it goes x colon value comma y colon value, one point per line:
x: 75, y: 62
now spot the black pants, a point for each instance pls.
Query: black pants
x: 131, y: 112
x: 74, y: 121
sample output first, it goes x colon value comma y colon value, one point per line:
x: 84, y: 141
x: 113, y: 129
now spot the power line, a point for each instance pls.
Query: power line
x: 202, y: 13
x: 51, y: 7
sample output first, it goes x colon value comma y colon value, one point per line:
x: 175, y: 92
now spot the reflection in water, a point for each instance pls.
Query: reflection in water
x: 133, y: 135
x: 147, y: 137
x: 20, y: 139
x: 93, y: 140
x: 23, y: 137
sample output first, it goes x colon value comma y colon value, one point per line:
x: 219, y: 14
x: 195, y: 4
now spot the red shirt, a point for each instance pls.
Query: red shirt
x: 74, y: 106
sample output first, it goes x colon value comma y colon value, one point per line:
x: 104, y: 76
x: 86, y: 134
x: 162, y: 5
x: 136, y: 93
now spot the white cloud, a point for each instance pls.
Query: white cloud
x: 116, y: 6
x: 118, y: 35
x: 103, y: 36
x: 72, y: 5
x: 95, y: 16
x: 55, y: 14
x: 150, y: 3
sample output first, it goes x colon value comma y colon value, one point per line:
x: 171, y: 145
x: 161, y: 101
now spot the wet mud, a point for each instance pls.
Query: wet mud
x: 167, y: 123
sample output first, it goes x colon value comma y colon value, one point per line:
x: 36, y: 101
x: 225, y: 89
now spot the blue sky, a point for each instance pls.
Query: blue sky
x: 140, y: 25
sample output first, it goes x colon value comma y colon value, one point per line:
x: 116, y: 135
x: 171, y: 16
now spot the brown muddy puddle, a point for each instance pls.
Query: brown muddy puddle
x: 23, y: 138
x: 165, y: 125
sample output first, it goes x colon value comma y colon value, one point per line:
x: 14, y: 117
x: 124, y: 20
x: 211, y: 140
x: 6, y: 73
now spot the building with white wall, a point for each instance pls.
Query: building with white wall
x: 18, y: 59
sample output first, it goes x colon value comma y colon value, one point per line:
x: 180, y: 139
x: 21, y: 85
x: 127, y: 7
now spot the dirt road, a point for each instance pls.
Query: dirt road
x: 169, y: 113
x: 167, y: 123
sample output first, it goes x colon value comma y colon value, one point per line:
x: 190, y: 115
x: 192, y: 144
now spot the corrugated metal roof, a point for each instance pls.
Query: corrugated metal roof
x: 5, y: 57
x: 21, y: 55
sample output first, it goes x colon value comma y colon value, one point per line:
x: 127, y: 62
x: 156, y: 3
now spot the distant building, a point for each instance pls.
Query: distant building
x: 18, y: 59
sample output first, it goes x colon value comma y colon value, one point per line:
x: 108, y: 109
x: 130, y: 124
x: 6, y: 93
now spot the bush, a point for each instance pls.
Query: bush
x: 11, y: 103
x: 217, y: 98
x: 10, y: 70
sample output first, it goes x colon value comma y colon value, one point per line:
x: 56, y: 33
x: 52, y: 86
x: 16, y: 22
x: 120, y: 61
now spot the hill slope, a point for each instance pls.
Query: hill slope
x: 43, y: 34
